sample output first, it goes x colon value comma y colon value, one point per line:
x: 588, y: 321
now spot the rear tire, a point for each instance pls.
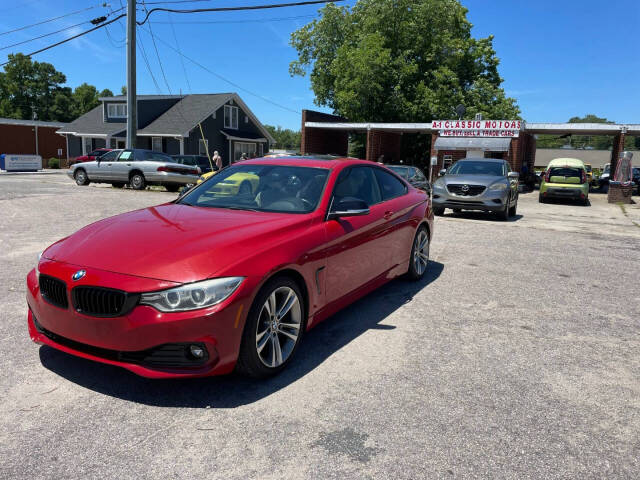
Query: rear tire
x: 541, y: 199
x: 419, y: 260
x: 81, y: 178
x: 438, y: 211
x: 262, y: 357
x: 137, y: 181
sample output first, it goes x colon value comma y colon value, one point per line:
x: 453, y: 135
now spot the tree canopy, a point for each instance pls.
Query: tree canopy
x: 28, y: 87
x: 285, y: 138
x: 400, y: 61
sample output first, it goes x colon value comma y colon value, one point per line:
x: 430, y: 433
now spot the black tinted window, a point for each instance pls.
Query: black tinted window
x: 390, y: 186
x: 109, y: 156
x: 477, y: 167
x: 357, y: 182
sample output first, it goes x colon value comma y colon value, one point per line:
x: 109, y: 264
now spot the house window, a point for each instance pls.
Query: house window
x: 113, y: 142
x: 230, y: 117
x: 203, y: 146
x: 87, y: 145
x: 239, y: 148
x: 117, y: 110
x: 156, y: 144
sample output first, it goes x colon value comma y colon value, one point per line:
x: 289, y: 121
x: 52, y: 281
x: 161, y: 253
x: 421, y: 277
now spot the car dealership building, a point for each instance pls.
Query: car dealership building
x: 451, y: 140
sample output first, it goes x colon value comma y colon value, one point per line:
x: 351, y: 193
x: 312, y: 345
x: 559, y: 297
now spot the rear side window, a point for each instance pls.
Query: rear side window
x: 390, y: 186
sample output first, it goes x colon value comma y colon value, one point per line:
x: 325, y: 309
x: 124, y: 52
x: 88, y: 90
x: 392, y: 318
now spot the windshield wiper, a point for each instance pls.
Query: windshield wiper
x: 233, y: 207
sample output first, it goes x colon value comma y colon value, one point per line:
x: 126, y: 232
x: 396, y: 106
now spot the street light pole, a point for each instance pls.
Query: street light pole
x: 132, y: 107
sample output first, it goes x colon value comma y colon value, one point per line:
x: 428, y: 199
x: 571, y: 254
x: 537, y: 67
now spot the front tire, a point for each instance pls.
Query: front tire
x: 137, y: 181
x: 419, y: 260
x: 273, y: 330
x: 438, y: 211
x: 81, y: 177
x: 513, y: 210
x: 504, y: 214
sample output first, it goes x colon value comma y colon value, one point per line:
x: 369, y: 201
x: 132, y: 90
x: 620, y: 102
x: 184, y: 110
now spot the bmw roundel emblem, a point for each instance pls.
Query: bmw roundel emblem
x: 78, y: 275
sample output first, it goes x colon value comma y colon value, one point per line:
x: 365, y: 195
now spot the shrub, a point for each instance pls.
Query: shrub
x: 54, y: 163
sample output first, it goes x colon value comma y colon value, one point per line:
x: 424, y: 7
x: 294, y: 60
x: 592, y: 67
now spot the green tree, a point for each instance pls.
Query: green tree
x: 285, y: 138
x: 85, y: 98
x: 123, y: 90
x: 28, y: 88
x: 400, y: 60
x: 597, y: 142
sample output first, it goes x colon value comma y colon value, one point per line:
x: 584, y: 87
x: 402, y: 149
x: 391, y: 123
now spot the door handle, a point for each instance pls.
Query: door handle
x: 387, y: 214
x: 128, y: 164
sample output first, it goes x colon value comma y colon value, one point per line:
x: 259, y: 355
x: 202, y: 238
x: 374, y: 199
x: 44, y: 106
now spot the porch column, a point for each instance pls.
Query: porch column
x: 181, y: 145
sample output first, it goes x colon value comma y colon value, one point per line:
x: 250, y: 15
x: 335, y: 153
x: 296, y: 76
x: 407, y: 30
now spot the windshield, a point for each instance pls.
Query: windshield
x: 477, y: 167
x: 402, y: 171
x: 263, y: 188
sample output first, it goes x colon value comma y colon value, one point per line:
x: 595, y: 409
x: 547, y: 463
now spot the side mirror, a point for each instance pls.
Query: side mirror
x: 513, y: 175
x: 442, y: 172
x: 348, y: 207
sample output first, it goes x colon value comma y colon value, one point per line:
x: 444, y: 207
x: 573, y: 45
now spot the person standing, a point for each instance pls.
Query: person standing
x: 217, y: 160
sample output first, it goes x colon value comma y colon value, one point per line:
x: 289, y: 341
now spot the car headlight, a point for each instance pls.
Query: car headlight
x: 438, y: 184
x: 193, y: 295
x: 37, y: 264
x: 498, y: 187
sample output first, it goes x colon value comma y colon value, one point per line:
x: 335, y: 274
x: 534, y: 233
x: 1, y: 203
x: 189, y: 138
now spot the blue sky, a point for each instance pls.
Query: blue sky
x: 558, y: 58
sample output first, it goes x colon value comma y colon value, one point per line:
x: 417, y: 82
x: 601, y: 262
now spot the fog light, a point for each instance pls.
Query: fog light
x: 197, y: 351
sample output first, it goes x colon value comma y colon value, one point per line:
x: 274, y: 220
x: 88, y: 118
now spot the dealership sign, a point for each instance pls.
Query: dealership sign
x: 22, y: 163
x: 477, y: 128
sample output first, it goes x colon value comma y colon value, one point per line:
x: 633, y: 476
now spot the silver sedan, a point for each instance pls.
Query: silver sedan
x: 137, y: 168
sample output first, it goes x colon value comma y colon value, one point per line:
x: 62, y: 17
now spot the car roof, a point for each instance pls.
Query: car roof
x: 566, y: 162
x: 317, y: 161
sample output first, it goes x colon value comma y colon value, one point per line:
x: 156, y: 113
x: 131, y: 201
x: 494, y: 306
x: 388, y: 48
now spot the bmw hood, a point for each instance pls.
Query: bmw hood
x: 177, y: 243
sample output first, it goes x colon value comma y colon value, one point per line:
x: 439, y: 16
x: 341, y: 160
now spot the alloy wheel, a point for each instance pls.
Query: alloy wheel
x: 278, y: 327
x: 421, y: 252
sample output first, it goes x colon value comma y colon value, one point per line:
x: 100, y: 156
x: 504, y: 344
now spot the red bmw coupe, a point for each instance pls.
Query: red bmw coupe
x: 232, y: 273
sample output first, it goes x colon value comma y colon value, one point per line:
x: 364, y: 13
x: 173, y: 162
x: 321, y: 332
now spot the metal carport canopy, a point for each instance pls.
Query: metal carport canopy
x: 464, y: 143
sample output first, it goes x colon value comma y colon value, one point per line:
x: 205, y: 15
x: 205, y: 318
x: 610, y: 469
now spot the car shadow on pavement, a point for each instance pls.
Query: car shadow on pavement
x: 484, y: 216
x: 232, y: 390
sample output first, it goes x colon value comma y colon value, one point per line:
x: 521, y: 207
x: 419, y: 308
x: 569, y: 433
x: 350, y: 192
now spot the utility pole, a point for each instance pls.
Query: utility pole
x: 132, y: 107
x: 34, y: 116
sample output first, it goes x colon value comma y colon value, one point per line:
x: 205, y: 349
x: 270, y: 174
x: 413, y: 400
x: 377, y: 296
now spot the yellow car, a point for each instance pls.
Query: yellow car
x: 238, y: 183
x: 587, y: 167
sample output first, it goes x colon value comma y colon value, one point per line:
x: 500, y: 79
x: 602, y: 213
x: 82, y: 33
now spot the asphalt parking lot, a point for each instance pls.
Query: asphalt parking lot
x: 517, y: 357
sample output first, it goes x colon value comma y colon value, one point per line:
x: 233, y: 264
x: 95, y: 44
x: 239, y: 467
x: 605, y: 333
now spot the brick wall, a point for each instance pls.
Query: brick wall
x: 384, y: 143
x: 319, y: 140
x: 20, y: 139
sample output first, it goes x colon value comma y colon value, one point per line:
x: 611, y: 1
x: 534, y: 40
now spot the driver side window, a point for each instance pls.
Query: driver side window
x: 109, y: 156
x: 357, y: 183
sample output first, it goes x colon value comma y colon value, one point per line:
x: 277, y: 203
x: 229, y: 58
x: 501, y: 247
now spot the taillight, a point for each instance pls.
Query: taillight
x: 166, y: 168
x: 583, y: 176
x: 163, y: 169
x: 547, y: 176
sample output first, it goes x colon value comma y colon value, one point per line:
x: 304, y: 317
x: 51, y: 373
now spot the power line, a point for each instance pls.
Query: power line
x: 155, y: 47
x: 73, y: 37
x: 176, y: 1
x: 226, y: 79
x: 52, y: 19
x: 233, y: 9
x: 175, y: 38
x: 146, y: 61
x: 93, y: 21
x: 252, y: 20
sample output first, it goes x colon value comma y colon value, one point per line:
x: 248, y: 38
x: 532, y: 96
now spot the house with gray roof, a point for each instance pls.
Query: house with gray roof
x: 173, y: 124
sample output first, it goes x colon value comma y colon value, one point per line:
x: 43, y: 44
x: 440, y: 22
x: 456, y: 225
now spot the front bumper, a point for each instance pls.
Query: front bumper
x: 488, y: 201
x: 141, y: 340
